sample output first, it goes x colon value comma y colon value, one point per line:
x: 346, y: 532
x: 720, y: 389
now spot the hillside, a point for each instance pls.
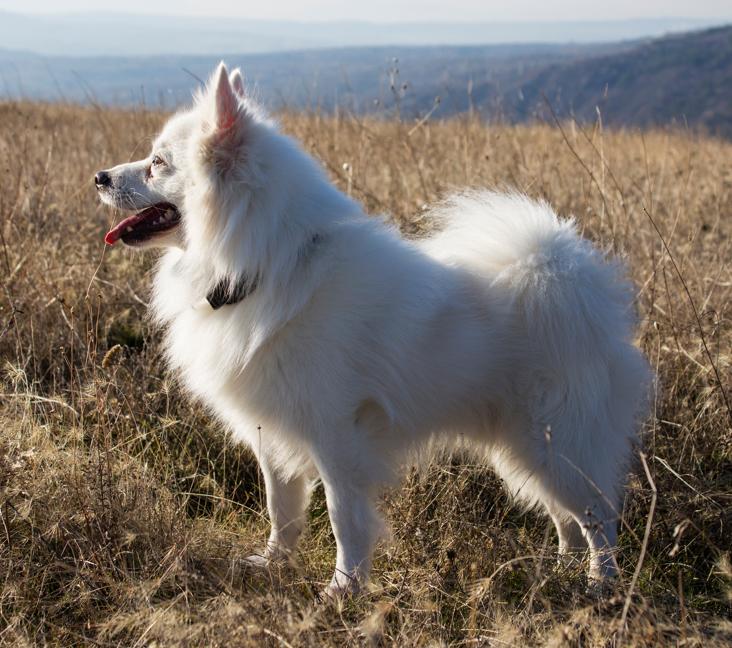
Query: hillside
x: 355, y: 78
x: 675, y: 80
x: 678, y: 79
x: 126, y: 512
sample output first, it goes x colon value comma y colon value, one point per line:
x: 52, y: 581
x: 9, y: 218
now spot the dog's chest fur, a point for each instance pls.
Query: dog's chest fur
x: 214, y: 352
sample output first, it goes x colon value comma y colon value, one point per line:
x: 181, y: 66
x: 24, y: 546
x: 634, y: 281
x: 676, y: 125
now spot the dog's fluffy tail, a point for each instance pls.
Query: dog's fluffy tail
x: 567, y: 293
x: 575, y: 306
x: 582, y: 376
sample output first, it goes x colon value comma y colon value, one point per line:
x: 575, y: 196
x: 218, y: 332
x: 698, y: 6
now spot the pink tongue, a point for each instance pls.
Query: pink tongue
x: 115, y: 234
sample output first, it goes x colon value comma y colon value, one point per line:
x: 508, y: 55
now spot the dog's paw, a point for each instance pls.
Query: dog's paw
x: 571, y: 559
x: 600, y: 588
x: 341, y: 587
x: 269, y: 556
x: 258, y: 561
x: 337, y: 594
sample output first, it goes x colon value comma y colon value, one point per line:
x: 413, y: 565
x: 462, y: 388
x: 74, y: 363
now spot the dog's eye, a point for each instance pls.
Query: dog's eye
x: 158, y: 161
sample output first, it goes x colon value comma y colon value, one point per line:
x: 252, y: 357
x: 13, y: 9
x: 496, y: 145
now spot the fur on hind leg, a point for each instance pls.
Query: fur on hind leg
x: 572, y: 545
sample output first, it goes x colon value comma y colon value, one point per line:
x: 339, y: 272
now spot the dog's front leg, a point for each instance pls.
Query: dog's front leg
x: 287, y: 501
x: 356, y: 525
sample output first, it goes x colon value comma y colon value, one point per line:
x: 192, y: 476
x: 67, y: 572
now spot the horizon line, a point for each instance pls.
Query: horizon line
x: 102, y: 13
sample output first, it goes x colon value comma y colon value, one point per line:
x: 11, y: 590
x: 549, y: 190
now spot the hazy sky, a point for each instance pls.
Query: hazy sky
x: 401, y: 10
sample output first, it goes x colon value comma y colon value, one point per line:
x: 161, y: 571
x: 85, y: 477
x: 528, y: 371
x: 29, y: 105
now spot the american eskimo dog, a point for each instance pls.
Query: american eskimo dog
x: 339, y: 351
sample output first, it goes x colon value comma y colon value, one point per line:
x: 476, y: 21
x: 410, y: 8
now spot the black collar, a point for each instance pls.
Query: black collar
x: 224, y: 294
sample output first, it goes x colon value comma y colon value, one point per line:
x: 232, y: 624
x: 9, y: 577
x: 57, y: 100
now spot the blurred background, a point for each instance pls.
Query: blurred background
x: 638, y: 64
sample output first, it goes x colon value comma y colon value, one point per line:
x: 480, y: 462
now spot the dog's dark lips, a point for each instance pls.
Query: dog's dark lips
x: 152, y: 220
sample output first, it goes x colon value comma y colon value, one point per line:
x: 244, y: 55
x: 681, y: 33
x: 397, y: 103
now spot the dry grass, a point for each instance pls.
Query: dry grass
x: 125, y: 512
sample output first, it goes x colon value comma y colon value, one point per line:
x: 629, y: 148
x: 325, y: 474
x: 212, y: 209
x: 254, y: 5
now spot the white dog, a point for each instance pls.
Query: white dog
x: 338, y: 350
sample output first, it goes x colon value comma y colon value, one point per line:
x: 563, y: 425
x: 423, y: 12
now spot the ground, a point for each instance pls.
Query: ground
x: 126, y: 511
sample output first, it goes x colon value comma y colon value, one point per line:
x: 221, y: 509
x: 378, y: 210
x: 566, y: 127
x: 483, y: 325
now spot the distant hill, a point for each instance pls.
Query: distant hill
x: 686, y: 78
x: 683, y: 79
x: 358, y: 79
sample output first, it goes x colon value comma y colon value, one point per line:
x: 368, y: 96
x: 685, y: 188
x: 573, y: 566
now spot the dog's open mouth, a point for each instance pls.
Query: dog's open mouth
x: 144, y: 225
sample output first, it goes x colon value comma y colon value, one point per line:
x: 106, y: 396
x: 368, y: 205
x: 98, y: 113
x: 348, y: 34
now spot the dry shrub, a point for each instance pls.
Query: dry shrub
x: 126, y: 512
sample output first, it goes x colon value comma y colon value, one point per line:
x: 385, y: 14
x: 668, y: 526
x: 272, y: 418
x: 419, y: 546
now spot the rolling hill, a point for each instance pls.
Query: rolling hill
x: 357, y: 79
x: 683, y: 79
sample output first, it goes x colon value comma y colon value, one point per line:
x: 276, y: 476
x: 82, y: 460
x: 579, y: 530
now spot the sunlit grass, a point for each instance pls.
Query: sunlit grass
x: 127, y: 512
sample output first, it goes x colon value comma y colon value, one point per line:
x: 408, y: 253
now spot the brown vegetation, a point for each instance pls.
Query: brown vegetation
x: 125, y: 512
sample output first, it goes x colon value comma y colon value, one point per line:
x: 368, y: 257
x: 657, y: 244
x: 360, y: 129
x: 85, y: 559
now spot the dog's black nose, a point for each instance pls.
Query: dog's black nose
x: 102, y: 179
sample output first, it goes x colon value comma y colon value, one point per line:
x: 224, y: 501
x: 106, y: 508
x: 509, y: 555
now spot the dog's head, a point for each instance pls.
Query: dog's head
x: 199, y: 146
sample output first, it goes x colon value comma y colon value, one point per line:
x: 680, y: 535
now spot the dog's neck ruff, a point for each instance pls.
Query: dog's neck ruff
x: 224, y: 294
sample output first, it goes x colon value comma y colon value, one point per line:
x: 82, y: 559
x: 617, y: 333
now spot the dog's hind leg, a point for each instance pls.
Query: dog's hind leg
x: 580, y: 493
x: 593, y: 508
x: 572, y: 544
x: 287, y: 501
x: 601, y: 533
x: 586, y: 483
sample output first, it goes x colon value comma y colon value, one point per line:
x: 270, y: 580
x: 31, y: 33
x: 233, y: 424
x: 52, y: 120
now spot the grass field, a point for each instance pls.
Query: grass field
x: 126, y: 512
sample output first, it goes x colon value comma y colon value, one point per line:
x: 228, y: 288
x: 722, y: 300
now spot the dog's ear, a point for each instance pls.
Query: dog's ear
x: 226, y: 128
x: 237, y: 82
x: 227, y: 103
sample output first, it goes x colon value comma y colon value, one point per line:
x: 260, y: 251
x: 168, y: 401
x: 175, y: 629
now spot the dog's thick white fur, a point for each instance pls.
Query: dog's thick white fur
x: 504, y: 332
